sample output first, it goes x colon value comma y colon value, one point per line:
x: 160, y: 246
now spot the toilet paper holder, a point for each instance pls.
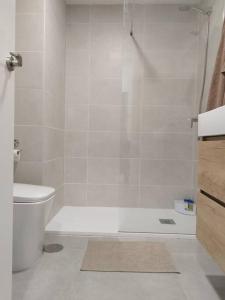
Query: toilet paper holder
x: 17, y: 151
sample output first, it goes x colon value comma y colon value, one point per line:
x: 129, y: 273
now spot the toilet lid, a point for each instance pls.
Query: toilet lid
x: 27, y: 193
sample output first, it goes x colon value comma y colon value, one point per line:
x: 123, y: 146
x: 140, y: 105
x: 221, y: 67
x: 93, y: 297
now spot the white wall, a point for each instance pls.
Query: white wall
x: 7, y: 17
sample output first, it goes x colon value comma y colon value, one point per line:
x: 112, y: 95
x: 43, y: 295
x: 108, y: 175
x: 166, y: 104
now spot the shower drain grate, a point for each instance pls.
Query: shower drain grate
x: 167, y: 221
x: 53, y: 248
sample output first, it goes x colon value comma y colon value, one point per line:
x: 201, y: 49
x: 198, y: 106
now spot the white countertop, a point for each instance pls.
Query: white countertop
x: 212, y: 123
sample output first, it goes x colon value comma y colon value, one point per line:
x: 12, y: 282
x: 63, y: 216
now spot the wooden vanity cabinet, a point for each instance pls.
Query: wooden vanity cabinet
x: 211, y: 198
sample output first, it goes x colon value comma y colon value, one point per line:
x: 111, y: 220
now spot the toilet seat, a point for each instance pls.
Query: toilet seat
x: 27, y: 193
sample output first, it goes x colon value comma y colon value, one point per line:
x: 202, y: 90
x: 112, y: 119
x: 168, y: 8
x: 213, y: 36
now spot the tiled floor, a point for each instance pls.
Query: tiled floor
x: 58, y: 276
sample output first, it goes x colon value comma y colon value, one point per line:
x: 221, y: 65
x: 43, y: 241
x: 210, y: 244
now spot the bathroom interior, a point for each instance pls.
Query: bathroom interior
x: 119, y: 162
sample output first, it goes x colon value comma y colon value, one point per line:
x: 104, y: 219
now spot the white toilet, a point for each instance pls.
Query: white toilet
x: 31, y: 208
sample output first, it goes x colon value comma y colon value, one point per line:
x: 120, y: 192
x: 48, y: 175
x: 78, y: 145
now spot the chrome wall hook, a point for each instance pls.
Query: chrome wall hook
x: 13, y: 61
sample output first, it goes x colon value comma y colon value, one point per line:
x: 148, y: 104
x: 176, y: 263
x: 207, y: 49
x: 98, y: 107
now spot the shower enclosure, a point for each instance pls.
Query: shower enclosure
x: 160, y: 84
x: 133, y: 79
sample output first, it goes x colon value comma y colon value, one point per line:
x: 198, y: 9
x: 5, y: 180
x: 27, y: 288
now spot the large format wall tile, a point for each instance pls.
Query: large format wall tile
x: 163, y: 196
x: 29, y: 32
x: 165, y: 119
x: 112, y: 171
x: 168, y: 14
x: 106, y: 14
x: 29, y: 6
x: 167, y: 146
x: 76, y: 143
x: 168, y: 91
x: 168, y: 62
x: 106, y: 63
x: 77, y: 90
x: 114, y: 118
x: 75, y: 170
x: 29, y: 172
x: 77, y: 63
x: 28, y: 106
x: 166, y: 172
x: 113, y: 144
x: 31, y: 74
x: 31, y: 142
x: 106, y: 92
x: 78, y: 14
x: 169, y: 36
x: 75, y: 194
x: 78, y: 36
x: 77, y: 117
x: 54, y: 112
x: 53, y: 143
x: 112, y: 195
x: 53, y: 173
x: 106, y: 36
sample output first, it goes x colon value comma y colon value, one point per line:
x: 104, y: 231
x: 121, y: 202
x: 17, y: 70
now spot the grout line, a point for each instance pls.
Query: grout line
x: 133, y: 185
x: 88, y: 125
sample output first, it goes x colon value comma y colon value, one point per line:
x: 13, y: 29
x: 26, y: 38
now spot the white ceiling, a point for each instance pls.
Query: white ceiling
x: 190, y: 2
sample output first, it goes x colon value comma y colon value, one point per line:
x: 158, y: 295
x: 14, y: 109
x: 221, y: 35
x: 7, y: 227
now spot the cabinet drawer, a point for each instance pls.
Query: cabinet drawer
x: 211, y: 169
x: 210, y: 227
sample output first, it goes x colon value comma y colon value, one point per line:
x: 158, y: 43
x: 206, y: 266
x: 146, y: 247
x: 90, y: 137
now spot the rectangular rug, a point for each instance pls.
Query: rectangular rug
x: 121, y: 256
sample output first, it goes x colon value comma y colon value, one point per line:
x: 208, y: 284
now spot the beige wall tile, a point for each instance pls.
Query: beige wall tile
x: 106, y: 63
x: 112, y: 195
x: 58, y: 8
x: 166, y: 172
x: 106, y: 36
x: 54, y: 110
x: 165, y: 119
x: 75, y: 170
x: 53, y: 173
x: 167, y: 146
x: 170, y: 36
x: 28, y: 106
x: 31, y: 74
x: 113, y: 144
x: 106, y: 91
x: 168, y: 14
x: 29, y: 32
x: 75, y: 143
x: 112, y: 171
x: 77, y: 63
x: 28, y: 172
x: 77, y: 36
x: 163, y: 196
x: 168, y: 91
x: 29, y: 6
x: 168, y: 63
x: 78, y: 13
x: 75, y: 194
x: 114, y: 118
x: 31, y: 142
x: 53, y: 143
x: 77, y: 90
x: 77, y: 117
x: 106, y: 13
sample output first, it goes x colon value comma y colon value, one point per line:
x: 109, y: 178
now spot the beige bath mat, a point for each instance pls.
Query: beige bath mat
x: 117, y: 256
